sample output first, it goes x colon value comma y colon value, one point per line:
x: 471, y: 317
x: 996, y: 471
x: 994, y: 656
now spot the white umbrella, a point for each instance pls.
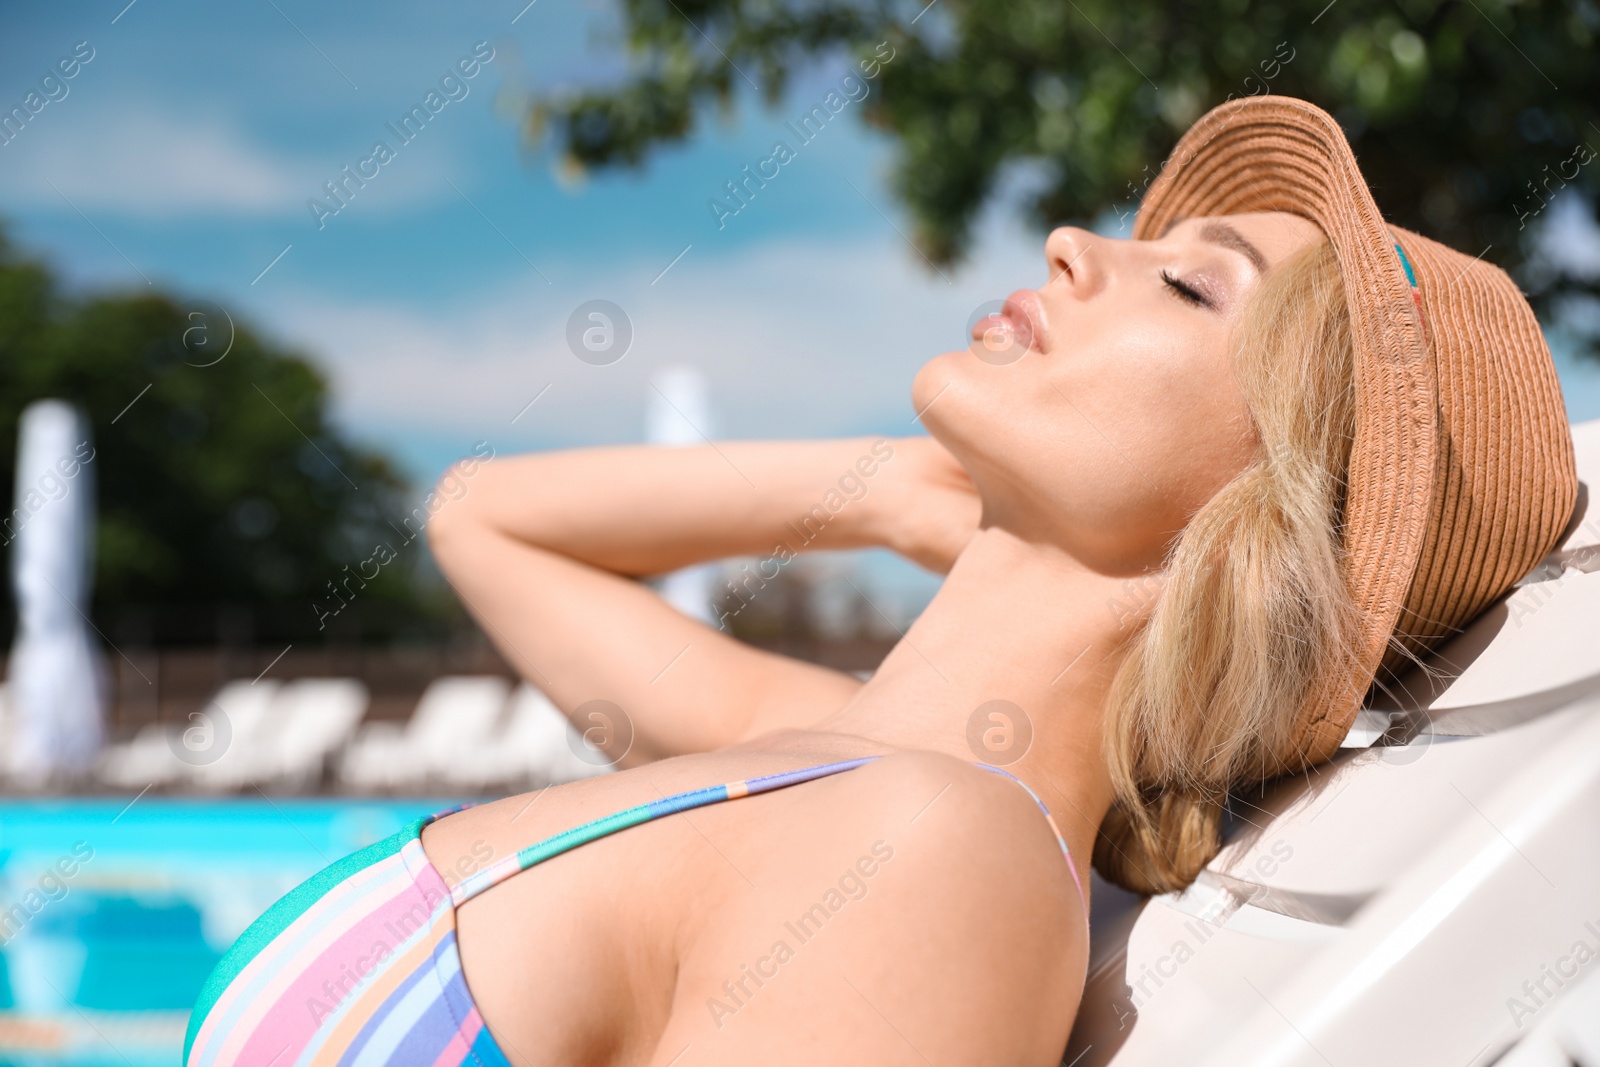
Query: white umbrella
x: 57, y: 685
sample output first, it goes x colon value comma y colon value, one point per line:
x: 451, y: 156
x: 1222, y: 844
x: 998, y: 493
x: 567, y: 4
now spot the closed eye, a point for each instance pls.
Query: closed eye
x: 1186, y: 292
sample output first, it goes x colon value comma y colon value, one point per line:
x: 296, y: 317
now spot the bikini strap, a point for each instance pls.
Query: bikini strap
x: 567, y: 840
x: 1072, y: 868
x: 595, y: 829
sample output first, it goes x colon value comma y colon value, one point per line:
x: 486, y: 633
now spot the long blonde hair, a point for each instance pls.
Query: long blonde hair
x: 1254, y: 606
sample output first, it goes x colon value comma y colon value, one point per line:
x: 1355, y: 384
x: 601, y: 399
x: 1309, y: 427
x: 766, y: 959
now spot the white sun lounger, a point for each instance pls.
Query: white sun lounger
x: 538, y: 747
x: 320, y: 716
x: 229, y: 725
x: 452, y: 726
x: 1431, y: 899
x: 307, y: 720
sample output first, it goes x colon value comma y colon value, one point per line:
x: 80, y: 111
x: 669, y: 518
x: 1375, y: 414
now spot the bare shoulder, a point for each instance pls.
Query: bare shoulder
x: 974, y: 838
x: 925, y: 906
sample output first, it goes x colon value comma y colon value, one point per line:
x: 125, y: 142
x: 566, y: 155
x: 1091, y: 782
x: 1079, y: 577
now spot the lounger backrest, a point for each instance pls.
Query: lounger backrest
x: 317, y: 715
x: 539, y: 732
x: 457, y: 712
x: 534, y: 719
x: 1586, y: 443
x: 238, y: 717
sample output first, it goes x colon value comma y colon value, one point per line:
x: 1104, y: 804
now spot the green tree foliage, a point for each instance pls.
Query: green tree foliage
x: 222, y: 484
x: 1467, y: 116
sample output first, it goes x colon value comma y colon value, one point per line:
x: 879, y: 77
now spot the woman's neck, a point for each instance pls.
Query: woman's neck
x: 1010, y: 665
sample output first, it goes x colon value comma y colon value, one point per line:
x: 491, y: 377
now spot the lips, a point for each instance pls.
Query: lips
x: 1013, y: 326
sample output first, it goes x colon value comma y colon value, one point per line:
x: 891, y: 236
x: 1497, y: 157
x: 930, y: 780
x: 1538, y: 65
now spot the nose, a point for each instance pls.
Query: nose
x: 1077, y: 259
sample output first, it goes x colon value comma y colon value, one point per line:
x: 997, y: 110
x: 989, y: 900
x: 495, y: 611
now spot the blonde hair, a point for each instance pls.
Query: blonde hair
x: 1254, y: 607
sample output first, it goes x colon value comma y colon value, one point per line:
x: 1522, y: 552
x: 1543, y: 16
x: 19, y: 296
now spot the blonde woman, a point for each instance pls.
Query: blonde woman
x: 1193, y: 495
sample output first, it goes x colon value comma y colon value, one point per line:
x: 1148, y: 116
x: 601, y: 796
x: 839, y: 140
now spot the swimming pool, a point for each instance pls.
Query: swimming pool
x: 112, y: 915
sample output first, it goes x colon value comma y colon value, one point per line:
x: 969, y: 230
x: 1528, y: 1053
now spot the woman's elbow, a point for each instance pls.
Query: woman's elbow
x: 451, y: 518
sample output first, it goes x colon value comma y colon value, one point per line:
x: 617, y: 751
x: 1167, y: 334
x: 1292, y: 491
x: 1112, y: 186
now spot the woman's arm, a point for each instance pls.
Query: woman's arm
x: 648, y: 510
x: 541, y: 549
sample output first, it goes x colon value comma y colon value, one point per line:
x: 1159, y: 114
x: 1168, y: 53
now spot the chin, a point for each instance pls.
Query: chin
x: 933, y: 378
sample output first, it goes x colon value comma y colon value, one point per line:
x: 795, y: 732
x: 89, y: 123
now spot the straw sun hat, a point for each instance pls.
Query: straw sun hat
x: 1461, y: 471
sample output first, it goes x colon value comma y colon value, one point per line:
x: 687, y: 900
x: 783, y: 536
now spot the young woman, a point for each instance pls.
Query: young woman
x: 1187, y: 492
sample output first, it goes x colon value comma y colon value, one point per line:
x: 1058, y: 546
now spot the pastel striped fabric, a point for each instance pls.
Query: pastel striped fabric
x: 358, y: 967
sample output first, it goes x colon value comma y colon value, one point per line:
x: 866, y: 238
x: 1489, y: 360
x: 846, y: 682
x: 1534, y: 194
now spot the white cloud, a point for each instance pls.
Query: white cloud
x: 144, y: 163
x: 797, y: 338
x: 148, y: 162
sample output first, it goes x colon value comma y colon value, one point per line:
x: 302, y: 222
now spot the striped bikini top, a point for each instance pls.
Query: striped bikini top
x: 359, y: 966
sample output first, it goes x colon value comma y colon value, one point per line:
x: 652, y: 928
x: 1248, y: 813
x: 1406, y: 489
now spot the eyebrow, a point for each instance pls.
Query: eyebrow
x: 1220, y: 233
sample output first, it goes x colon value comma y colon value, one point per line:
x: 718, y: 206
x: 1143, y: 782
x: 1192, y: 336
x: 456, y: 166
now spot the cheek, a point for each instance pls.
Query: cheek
x: 1176, y: 416
x: 1151, y: 431
x: 1212, y: 434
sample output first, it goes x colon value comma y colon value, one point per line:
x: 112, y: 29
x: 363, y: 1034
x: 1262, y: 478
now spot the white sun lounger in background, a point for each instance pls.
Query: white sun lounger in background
x: 224, y: 730
x: 316, y: 718
x: 147, y: 759
x: 537, y: 747
x: 1421, y: 900
x: 305, y: 721
x: 453, y: 724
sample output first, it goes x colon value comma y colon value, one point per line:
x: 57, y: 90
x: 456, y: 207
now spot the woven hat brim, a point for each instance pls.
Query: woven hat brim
x: 1280, y: 154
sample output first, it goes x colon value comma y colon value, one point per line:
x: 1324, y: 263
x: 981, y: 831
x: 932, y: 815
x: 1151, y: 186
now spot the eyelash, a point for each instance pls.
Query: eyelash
x: 1185, y: 291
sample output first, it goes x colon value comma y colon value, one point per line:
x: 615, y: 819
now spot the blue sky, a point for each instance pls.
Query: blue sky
x: 186, y: 150
x: 438, y: 297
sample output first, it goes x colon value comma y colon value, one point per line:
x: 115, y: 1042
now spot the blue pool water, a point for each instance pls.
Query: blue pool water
x: 111, y: 916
